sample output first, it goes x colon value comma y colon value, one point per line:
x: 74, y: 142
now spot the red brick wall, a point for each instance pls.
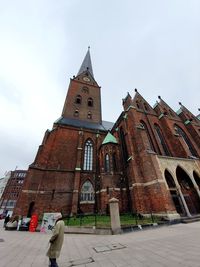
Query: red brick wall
x: 76, y: 88
x: 55, y: 179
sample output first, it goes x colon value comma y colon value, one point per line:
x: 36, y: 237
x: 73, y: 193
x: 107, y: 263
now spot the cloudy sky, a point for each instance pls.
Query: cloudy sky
x: 153, y: 46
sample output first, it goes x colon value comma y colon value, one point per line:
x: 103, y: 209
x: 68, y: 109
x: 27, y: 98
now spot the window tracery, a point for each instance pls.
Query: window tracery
x: 87, y: 192
x: 88, y: 156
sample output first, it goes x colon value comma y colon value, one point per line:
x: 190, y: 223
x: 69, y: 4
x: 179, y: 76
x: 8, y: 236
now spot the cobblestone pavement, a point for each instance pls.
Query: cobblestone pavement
x: 176, y: 245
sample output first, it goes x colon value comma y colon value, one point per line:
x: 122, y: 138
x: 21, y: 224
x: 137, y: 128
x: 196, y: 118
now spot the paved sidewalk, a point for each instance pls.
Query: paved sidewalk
x: 177, y: 245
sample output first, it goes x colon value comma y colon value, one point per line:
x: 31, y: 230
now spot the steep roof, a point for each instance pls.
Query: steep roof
x: 109, y: 139
x: 87, y: 64
x: 104, y: 126
x: 141, y: 104
x: 166, y: 108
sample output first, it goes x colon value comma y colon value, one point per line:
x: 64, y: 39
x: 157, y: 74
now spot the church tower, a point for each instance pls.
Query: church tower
x: 83, y: 101
x: 64, y: 174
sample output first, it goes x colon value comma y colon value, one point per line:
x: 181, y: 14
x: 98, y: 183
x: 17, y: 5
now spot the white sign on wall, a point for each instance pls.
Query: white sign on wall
x: 48, y: 222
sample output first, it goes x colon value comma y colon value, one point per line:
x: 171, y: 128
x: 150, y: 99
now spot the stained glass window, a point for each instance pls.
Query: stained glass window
x: 88, y: 156
x: 87, y: 191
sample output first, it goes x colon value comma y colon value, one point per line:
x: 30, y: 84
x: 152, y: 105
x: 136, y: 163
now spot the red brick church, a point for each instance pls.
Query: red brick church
x: 148, y: 159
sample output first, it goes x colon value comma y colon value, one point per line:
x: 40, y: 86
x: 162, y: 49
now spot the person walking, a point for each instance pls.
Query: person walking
x: 56, y: 241
x: 6, y: 220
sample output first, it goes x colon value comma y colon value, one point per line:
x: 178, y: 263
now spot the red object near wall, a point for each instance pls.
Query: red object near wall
x: 33, y: 223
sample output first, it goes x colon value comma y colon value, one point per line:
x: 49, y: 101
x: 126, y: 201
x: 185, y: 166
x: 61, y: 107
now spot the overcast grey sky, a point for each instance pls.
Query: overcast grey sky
x: 153, y: 46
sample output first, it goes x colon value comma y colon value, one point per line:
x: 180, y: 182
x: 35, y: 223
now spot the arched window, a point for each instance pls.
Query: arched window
x: 76, y: 113
x: 169, y: 179
x: 183, y: 179
x: 87, y: 191
x: 114, y: 162
x: 174, y: 194
x: 107, y: 163
x: 124, y: 147
x: 88, y: 156
x: 90, y: 102
x: 78, y: 99
x: 137, y: 103
x: 151, y: 146
x: 162, y: 140
x: 89, y: 116
x: 146, y: 107
x: 186, y: 140
x: 165, y: 111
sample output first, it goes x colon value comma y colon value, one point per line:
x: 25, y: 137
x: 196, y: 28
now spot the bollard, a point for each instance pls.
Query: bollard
x: 114, y: 215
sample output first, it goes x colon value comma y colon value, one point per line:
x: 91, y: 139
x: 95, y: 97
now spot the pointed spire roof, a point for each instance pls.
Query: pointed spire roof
x: 166, y: 109
x: 109, y: 139
x: 87, y: 64
x: 139, y: 102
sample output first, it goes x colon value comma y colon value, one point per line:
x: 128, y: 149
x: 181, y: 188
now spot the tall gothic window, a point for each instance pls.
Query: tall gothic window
x: 151, y: 146
x: 124, y: 147
x: 107, y: 163
x: 88, y: 156
x: 186, y: 140
x: 137, y: 103
x: 114, y: 162
x: 162, y: 140
x: 87, y: 191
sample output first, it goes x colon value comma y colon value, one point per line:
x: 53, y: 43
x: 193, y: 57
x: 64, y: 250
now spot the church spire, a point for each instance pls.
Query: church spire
x: 87, y: 64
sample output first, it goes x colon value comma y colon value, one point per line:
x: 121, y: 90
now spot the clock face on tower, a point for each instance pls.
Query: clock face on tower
x: 86, y: 79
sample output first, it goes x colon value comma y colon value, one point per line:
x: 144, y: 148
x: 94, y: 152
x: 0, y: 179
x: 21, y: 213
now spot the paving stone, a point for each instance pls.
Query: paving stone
x: 176, y: 246
x: 81, y: 261
x: 102, y: 249
x: 99, y: 249
x: 116, y: 246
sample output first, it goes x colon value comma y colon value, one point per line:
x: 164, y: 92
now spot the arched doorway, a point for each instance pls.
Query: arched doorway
x: 189, y: 192
x: 173, y: 191
x: 30, y: 210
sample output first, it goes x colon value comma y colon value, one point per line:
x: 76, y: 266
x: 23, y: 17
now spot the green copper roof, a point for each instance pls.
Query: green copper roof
x: 179, y: 111
x: 109, y: 139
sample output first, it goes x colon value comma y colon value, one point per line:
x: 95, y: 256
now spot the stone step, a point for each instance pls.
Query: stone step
x: 190, y: 220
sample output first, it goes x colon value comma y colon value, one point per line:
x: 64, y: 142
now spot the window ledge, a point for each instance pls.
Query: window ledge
x: 87, y: 202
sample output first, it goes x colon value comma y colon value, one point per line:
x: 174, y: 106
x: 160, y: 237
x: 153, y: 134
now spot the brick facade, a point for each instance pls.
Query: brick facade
x: 75, y: 170
x: 12, y: 191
